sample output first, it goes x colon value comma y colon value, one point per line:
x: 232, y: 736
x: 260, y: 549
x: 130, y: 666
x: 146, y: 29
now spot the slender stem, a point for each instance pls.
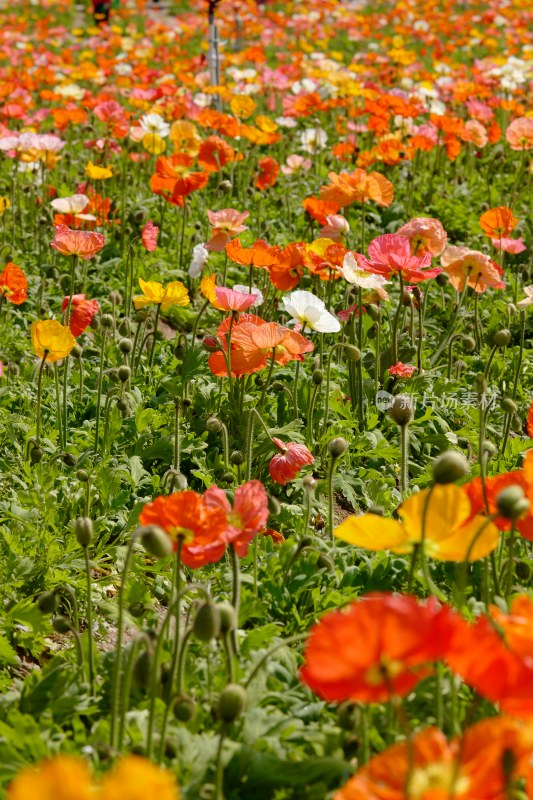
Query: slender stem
x: 395, y: 324
x: 154, y: 340
x: 330, y: 495
x: 235, y: 593
x: 90, y: 631
x: 39, y: 395
x: 336, y: 346
x: 99, y: 391
x: 219, y: 770
x: 177, y: 590
x: 58, y: 404
x: 404, y: 460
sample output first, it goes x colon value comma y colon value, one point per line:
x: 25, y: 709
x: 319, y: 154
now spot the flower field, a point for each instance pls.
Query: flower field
x: 266, y: 418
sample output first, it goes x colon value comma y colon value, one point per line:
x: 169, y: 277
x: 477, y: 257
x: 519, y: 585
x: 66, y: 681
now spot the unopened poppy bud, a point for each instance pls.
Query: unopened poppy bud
x: 125, y: 346
x: 184, y: 708
x: 124, y: 407
x: 237, y: 458
x: 274, y: 506
x: 259, y: 380
x: 13, y: 369
x: 76, y: 351
x: 508, y: 405
x: 463, y: 442
x: 179, y: 351
x: 480, y: 382
x: 305, y: 541
x: 227, y: 477
x: 227, y: 616
x: 337, y: 446
x: 512, y: 309
x: 489, y: 449
x: 61, y: 624
x: 137, y: 609
x: 124, y: 373
x: 139, y: 215
x: 379, y: 510
x: 155, y: 541
x: 70, y: 460
x: 82, y: 475
x: 346, y: 715
x: 140, y: 315
x: 352, y: 352
x: 442, y: 279
x: 225, y: 186
x: 502, y: 338
x: 83, y: 528
x: 36, y: 455
x: 142, y: 669
x: 450, y: 467
x: 94, y: 324
x: 124, y: 328
x: 309, y: 483
x: 407, y: 300
x: 206, y: 625
x: 401, y: 410
x: 374, y: 312
x: 516, y: 424
x: 231, y: 702
x: 468, y: 343
x: 115, y: 298
x: 211, y: 344
x: 112, y: 374
x: 48, y: 602
x: 107, y: 321
x: 325, y: 562
x: 512, y: 502
x: 213, y: 425
x: 186, y: 402
x: 317, y: 377
x: 278, y: 386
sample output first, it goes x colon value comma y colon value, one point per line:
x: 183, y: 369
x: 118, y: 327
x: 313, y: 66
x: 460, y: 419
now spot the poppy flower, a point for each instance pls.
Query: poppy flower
x: 498, y: 222
x: 135, y: 777
x: 425, y: 234
x: 357, y: 186
x: 185, y: 137
x: 286, y: 465
x: 52, y: 339
x: 241, y: 362
x: 271, y: 339
x: 519, y: 134
x: 287, y: 269
x: 225, y: 224
x: 400, y: 370
x: 230, y: 300
x: 319, y: 209
x: 511, y: 246
x: 335, y: 228
x: 375, y: 648
x: 258, y: 255
x: 324, y: 257
x: 528, y: 299
x: 97, y: 173
x: 295, y: 163
x: 84, y: 244
x: 243, y: 106
x: 428, y: 767
x: 463, y: 265
x: 74, y: 204
x: 354, y: 274
x: 248, y: 516
x: 390, y: 254
x: 214, y: 154
x: 200, y: 254
x: 174, y: 294
x: 309, y: 311
x: 174, y: 179
x: 63, y: 777
x: 185, y: 516
x: 149, y: 236
x: 451, y: 533
x: 13, y: 284
x: 82, y: 312
x: 268, y: 173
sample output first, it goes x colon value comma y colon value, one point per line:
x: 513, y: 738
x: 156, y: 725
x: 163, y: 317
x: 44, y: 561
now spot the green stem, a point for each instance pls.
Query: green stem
x: 404, y: 460
x: 154, y: 340
x: 90, y: 631
x: 99, y: 391
x: 395, y: 324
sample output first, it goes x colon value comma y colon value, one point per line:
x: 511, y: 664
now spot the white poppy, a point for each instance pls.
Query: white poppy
x: 313, y: 139
x: 353, y: 273
x: 310, y: 312
x: 199, y: 258
x: 245, y: 290
x: 70, y: 205
x: 528, y: 299
x: 154, y: 123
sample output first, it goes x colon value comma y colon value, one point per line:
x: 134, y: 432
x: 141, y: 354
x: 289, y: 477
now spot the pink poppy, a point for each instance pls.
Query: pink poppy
x: 225, y: 223
x: 149, y: 236
x: 230, y: 300
x: 84, y: 244
x: 519, y: 134
x: 82, y: 312
x: 248, y: 516
x: 390, y: 254
x: 512, y: 246
x: 286, y: 465
x: 335, y: 228
x: 462, y: 264
x: 425, y: 234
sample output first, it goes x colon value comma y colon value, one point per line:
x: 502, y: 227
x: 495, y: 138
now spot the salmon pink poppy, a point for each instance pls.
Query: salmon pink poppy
x: 149, y: 236
x: 519, y: 134
x: 84, y: 244
x: 390, y: 254
x: 248, y: 516
x: 271, y: 339
x: 463, y: 265
x: 225, y: 224
x: 230, y: 300
x: 400, y: 370
x: 82, y: 312
x: 511, y: 246
x: 376, y: 648
x: 425, y: 234
x: 185, y: 517
x: 13, y: 284
x: 241, y: 363
x: 286, y: 465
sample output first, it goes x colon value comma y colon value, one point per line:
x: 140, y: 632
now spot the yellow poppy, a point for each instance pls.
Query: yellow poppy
x: 98, y: 173
x: 243, y: 106
x: 185, y: 138
x: 63, y: 778
x: 5, y: 203
x: 207, y: 288
x: 135, y: 777
x: 450, y: 534
x: 154, y: 144
x: 50, y: 337
x: 266, y: 124
x: 174, y: 294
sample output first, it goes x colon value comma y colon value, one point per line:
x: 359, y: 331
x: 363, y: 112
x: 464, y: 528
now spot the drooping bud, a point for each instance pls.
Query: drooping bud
x: 206, y: 625
x: 401, y: 410
x: 450, y: 467
x: 337, y: 446
x: 155, y: 541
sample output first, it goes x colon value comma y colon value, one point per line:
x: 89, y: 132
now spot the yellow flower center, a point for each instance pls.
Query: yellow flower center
x: 384, y: 672
x: 434, y: 777
x: 186, y: 534
x: 235, y: 519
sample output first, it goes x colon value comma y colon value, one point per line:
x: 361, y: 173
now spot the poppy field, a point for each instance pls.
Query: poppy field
x: 266, y: 400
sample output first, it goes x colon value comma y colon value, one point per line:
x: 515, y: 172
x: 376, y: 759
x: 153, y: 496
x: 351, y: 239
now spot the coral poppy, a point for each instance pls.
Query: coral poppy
x: 82, y: 312
x: 63, y: 778
x: 271, y: 339
x: 225, y: 224
x: 149, y: 236
x: 286, y: 465
x: 174, y: 294
x: 175, y: 179
x: 267, y: 174
x: 240, y: 363
x: 400, y: 370
x: 335, y: 228
x: 375, y: 648
x: 463, y: 265
x: 230, y: 300
x: 84, y: 244
x: 390, y: 254
x: 498, y: 222
x: 425, y: 234
x: 13, y: 284
x: 248, y: 516
x: 324, y: 257
x: 441, y: 517
x: 519, y: 134
x: 214, y: 154
x: 51, y: 339
x: 185, y: 516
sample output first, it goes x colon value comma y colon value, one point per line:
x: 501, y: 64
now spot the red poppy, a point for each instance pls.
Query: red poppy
x: 268, y: 173
x: 82, y: 312
x: 377, y: 647
x: 13, y: 284
x: 400, y: 370
x: 214, y: 154
x: 149, y: 236
x: 286, y: 465
x: 185, y: 516
x: 84, y: 244
x: 391, y: 254
x: 286, y: 271
x: 248, y: 516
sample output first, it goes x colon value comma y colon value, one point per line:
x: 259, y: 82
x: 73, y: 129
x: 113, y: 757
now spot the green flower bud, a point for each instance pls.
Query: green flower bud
x: 124, y: 373
x: 70, y: 460
x: 468, y: 343
x: 237, y: 458
x: 137, y: 609
x: 125, y: 346
x: 206, y: 625
x: 401, y: 410
x: 48, y: 602
x: 227, y: 616
x: 142, y: 669
x: 155, y: 541
x: 76, y: 351
x: 346, y: 715
x: 337, y: 446
x: 213, y: 425
x: 317, y: 377
x: 83, y: 528
x: 512, y: 502
x: 231, y: 702
x: 379, y: 510
x: 36, y: 455
x: 352, y: 352
x: 184, y: 708
x: 508, y: 405
x: 442, y: 279
x: 61, y: 624
x: 450, y: 467
x: 82, y: 475
x: 107, y: 321
x: 502, y: 338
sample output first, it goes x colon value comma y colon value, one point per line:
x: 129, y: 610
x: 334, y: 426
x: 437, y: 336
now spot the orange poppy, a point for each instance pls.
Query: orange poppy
x: 13, y: 284
x: 185, y: 516
x: 375, y: 648
x: 174, y: 179
x: 258, y: 255
x: 271, y: 339
x: 358, y: 186
x: 214, y: 154
x: 268, y: 173
x: 222, y: 123
x: 498, y: 222
x: 463, y: 265
x: 319, y: 209
x: 286, y: 271
x: 324, y: 258
x: 240, y: 362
